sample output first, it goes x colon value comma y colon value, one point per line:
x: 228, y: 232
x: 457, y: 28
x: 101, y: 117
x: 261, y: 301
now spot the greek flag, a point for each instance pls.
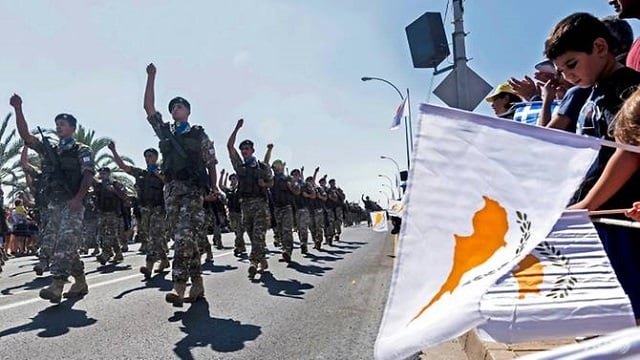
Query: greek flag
x: 529, y: 112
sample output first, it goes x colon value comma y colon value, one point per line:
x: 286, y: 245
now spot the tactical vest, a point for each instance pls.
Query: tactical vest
x: 233, y: 201
x: 280, y: 192
x: 107, y: 201
x: 298, y: 200
x: 63, y: 185
x: 149, y: 187
x: 248, y: 181
x: 308, y: 203
x: 331, y: 204
x: 191, y: 169
x: 320, y: 204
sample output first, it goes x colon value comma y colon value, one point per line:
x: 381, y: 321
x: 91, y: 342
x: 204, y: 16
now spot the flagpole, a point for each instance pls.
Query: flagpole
x: 402, y: 97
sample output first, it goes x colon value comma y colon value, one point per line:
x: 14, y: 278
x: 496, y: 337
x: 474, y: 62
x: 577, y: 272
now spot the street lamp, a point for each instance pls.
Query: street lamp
x: 407, y: 124
x: 390, y: 183
x: 393, y: 195
x: 386, y: 195
x: 397, y: 174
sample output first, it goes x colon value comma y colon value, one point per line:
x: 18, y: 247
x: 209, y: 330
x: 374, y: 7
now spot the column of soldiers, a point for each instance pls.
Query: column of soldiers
x: 178, y: 199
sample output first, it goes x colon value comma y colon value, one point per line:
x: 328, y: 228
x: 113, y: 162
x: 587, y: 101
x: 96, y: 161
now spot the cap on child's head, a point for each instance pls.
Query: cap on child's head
x: 500, y: 89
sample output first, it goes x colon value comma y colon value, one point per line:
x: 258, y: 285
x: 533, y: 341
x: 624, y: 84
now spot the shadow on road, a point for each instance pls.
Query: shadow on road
x: 309, y: 269
x: 22, y: 273
x: 156, y: 282
x: 317, y: 258
x: 353, y: 242
x: 213, y: 268
x: 36, y: 283
x: 335, y: 252
x: 56, y: 320
x: 108, y: 269
x: 202, y: 330
x: 286, y: 288
x: 347, y: 247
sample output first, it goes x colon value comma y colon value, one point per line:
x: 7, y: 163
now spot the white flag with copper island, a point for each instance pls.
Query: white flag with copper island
x: 482, y: 193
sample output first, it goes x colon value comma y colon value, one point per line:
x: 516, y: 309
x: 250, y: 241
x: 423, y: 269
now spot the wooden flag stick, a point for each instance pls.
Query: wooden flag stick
x: 607, y: 212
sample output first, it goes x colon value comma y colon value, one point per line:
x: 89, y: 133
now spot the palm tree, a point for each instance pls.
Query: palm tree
x: 102, y: 155
x: 10, y: 171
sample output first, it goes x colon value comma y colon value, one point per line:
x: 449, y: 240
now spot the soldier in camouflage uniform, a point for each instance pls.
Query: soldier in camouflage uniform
x: 329, y: 212
x: 209, y: 223
x: 109, y: 196
x: 151, y: 229
x: 68, y: 170
x: 301, y: 210
x: 339, y: 209
x: 35, y: 183
x: 90, y: 224
x: 189, y: 167
x: 282, y: 195
x: 319, y: 218
x: 235, y: 213
x: 254, y: 178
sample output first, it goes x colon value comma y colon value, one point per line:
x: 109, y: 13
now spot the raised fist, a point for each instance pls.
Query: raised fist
x: 239, y: 124
x: 151, y: 69
x: 15, y: 101
x: 112, y: 146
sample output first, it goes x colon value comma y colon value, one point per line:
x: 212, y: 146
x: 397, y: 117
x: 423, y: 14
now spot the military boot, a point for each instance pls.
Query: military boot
x: 164, y: 264
x: 78, y: 289
x: 53, y: 292
x: 102, y: 259
x: 197, y: 290
x: 252, y: 270
x: 147, y: 269
x: 40, y: 267
x: 264, y: 265
x: 118, y: 258
x: 303, y: 249
x: 176, y: 296
x: 209, y: 257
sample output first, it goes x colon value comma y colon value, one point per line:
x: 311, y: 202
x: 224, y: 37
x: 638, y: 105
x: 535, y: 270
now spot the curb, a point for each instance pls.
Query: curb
x: 476, y: 349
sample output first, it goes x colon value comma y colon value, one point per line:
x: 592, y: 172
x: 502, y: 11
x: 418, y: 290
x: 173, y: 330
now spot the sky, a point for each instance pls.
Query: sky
x: 290, y: 68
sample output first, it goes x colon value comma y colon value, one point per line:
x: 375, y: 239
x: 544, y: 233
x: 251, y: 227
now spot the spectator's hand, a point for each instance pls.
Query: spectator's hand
x: 634, y: 212
x: 15, y: 101
x: 543, y: 77
x: 525, y: 88
x: 151, y: 70
x: 549, y: 90
x: 112, y: 146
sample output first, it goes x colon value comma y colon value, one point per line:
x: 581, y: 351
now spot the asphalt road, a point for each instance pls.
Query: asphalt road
x: 326, y: 305
x: 323, y: 306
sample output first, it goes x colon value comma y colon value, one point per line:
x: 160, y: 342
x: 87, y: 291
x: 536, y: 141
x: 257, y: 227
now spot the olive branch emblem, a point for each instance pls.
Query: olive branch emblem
x: 565, y: 283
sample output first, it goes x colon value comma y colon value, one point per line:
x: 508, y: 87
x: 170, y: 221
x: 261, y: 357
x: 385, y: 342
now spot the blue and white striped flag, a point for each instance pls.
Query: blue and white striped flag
x: 529, y: 112
x: 401, y: 111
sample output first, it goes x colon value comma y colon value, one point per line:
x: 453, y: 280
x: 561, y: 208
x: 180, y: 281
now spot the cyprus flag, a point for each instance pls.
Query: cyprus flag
x: 482, y: 193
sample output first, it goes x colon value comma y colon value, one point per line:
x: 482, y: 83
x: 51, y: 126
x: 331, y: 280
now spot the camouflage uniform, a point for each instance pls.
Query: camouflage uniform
x: 64, y: 227
x: 282, y: 199
x: 110, y: 224
x: 152, y: 231
x: 235, y: 218
x: 90, y: 224
x: 302, y: 216
x: 330, y: 216
x: 339, y: 212
x: 253, y: 201
x: 318, y: 218
x: 186, y: 181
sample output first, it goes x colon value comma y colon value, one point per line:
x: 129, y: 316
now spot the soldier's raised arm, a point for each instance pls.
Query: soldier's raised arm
x: 116, y: 157
x: 236, y: 161
x: 149, y: 92
x: 21, y: 123
x: 267, y: 155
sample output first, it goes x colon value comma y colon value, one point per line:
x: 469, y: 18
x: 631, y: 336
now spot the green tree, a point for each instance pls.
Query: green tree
x: 11, y: 175
x: 102, y: 155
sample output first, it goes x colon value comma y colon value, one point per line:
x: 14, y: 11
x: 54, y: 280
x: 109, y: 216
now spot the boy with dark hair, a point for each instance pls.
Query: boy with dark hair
x: 579, y: 47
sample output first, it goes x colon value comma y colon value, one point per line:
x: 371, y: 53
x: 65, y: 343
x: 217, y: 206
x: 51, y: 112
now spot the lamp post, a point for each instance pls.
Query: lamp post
x: 397, y: 174
x: 393, y: 196
x: 390, y: 183
x: 386, y: 195
x: 407, y: 122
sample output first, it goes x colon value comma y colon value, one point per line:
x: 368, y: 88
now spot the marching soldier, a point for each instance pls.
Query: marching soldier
x: 282, y: 195
x: 189, y: 167
x: 151, y: 229
x: 68, y: 170
x: 254, y: 178
x: 109, y: 196
x: 235, y: 213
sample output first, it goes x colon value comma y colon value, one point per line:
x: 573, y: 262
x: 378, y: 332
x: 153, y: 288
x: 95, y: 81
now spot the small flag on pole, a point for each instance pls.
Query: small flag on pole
x: 401, y: 111
x: 379, y: 221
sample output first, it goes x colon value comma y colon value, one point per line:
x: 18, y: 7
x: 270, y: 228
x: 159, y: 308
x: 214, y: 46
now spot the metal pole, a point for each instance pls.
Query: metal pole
x: 406, y: 127
x: 393, y: 195
x: 397, y: 174
x: 410, y: 123
x: 460, y: 55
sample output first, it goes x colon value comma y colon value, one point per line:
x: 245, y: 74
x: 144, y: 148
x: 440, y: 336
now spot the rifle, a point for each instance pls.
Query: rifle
x: 55, y: 161
x: 165, y: 134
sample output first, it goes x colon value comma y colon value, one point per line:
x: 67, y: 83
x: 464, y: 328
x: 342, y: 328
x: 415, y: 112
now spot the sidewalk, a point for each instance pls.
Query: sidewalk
x: 477, y: 349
